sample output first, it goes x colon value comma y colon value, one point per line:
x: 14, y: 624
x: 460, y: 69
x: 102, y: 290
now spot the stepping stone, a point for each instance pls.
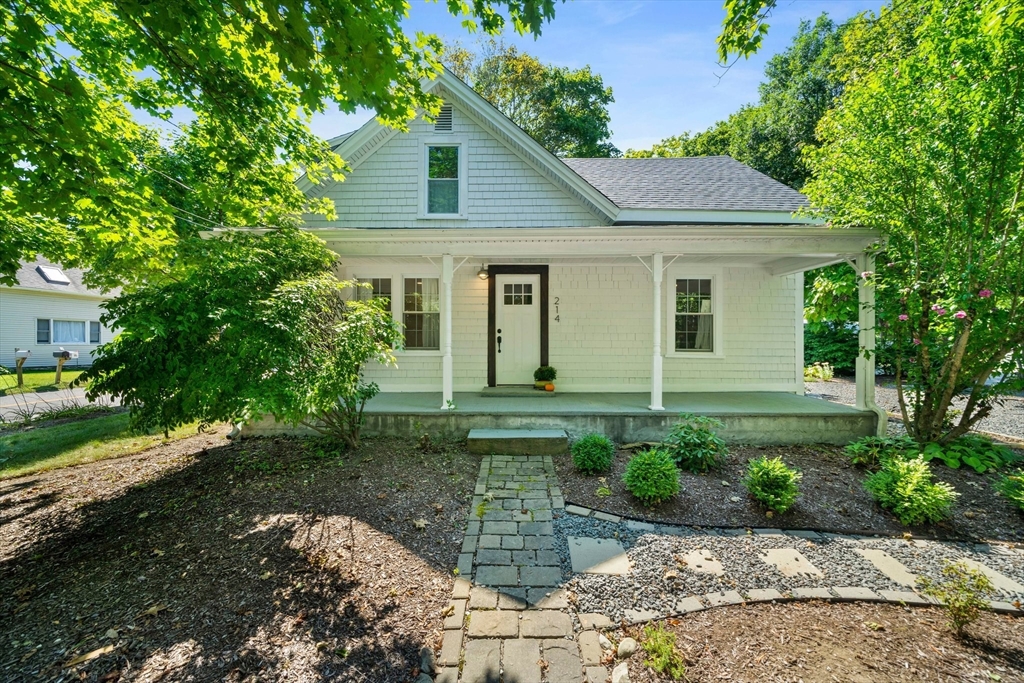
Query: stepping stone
x: 563, y: 658
x: 640, y: 526
x: 517, y: 442
x: 889, y: 565
x: 577, y: 510
x: 596, y: 674
x: 702, y: 562
x: 451, y: 648
x: 461, y: 589
x: 512, y: 598
x: 639, y: 616
x: 724, y: 598
x: 497, y: 576
x: 545, y: 598
x: 489, y: 556
x: 539, y: 576
x: 458, y: 615
x: 906, y: 598
x: 812, y: 593
x: 483, y: 662
x: 481, y: 597
x: 521, y: 661
x: 492, y: 624
x: 763, y: 595
x: 606, y: 517
x: 590, y: 648
x: 790, y: 563
x: 593, y: 620
x: 490, y: 541
x: 597, y: 556
x: 690, y: 604
x: 856, y: 593
x: 1002, y: 582
x: 545, y: 624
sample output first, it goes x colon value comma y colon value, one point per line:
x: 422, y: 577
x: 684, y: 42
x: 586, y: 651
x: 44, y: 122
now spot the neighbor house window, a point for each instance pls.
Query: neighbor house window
x: 422, y: 314
x: 42, y: 331
x: 94, y: 332
x: 380, y: 289
x: 694, y: 329
x: 68, y: 332
x: 443, y: 179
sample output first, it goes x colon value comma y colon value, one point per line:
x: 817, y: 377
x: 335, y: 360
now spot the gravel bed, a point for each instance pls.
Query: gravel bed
x: 1007, y: 419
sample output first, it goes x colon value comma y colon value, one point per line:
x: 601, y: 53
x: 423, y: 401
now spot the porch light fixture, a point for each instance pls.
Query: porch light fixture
x: 482, y: 273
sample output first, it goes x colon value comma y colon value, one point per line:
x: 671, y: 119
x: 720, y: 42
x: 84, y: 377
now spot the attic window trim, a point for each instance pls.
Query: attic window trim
x: 443, y: 123
x: 462, y: 143
x: 53, y: 275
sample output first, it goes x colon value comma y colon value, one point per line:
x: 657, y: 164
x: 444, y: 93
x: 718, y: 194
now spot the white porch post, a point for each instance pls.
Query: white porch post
x: 447, y: 270
x: 657, y: 273
x: 866, y: 342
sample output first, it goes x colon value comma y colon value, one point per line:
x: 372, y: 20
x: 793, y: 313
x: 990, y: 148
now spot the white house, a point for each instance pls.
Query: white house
x: 48, y: 309
x: 645, y: 276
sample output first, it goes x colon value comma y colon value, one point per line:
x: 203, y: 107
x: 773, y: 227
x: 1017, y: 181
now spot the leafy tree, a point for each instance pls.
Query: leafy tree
x: 927, y: 145
x: 565, y: 110
x: 72, y: 74
x: 245, y: 325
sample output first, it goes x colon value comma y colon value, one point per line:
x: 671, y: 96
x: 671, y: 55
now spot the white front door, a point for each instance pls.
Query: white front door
x: 517, y: 328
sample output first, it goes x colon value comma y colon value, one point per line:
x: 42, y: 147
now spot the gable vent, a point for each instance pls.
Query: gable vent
x: 443, y: 122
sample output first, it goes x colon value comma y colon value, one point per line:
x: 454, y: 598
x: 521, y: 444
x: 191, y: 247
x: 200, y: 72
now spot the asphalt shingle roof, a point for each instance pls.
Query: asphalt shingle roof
x: 689, y: 183
x: 28, y: 276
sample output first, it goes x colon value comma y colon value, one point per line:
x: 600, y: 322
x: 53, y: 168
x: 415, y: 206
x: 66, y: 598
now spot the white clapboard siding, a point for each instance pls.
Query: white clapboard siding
x: 19, y: 310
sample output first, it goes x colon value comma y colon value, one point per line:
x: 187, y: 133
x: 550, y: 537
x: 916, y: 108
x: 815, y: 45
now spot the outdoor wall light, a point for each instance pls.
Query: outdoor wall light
x: 482, y: 273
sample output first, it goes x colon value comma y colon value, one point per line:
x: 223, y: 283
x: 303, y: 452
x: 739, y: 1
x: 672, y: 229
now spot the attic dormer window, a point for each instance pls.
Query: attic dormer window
x: 53, y: 275
x: 443, y: 179
x: 443, y: 122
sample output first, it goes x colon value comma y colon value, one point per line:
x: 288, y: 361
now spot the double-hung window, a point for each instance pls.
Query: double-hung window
x: 68, y: 332
x: 421, y: 313
x: 694, y: 315
x: 443, y: 179
x: 43, y: 331
x: 379, y: 289
x: 94, y: 332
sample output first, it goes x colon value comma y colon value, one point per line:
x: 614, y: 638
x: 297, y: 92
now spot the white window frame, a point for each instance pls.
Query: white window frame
x: 397, y: 278
x: 446, y: 140
x: 99, y: 332
x: 49, y: 334
x: 85, y: 324
x: 717, y: 308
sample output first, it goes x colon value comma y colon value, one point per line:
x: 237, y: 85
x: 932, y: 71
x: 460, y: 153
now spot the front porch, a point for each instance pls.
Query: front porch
x: 749, y: 417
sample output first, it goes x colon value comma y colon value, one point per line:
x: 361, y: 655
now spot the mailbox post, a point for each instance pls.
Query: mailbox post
x: 62, y: 356
x: 20, y: 356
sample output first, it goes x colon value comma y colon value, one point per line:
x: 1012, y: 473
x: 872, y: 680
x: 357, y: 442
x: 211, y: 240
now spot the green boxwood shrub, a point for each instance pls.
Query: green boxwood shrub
x: 1011, y: 487
x: 694, y: 445
x: 593, y: 453
x: 771, y: 483
x: 905, y: 488
x: 545, y: 373
x: 652, y: 476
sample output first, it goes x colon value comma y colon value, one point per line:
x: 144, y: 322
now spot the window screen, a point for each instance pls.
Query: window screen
x: 94, y: 332
x: 694, y: 315
x: 42, y: 331
x: 422, y: 314
x: 68, y: 332
x: 443, y: 179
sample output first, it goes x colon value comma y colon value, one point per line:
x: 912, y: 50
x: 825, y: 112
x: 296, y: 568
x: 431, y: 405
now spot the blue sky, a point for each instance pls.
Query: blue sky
x: 657, y: 55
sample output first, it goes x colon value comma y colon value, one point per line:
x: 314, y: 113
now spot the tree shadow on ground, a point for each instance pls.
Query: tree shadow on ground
x: 266, y: 560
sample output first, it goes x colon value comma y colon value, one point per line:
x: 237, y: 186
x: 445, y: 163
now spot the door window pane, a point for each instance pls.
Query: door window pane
x: 520, y: 294
x: 68, y: 332
x: 422, y: 313
x: 442, y: 180
x: 694, y: 315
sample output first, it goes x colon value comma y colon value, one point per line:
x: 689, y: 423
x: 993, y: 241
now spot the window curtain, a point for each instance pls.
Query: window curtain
x: 68, y: 332
x: 704, y: 323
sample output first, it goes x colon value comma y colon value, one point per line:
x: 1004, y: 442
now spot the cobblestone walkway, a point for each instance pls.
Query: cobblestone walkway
x: 508, y: 619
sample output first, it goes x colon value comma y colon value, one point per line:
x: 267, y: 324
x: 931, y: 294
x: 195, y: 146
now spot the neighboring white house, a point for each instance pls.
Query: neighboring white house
x: 626, y: 275
x: 50, y: 308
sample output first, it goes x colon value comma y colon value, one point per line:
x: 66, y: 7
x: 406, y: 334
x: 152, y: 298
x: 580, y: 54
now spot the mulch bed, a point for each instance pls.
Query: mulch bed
x: 860, y: 643
x: 832, y: 497
x: 269, y: 559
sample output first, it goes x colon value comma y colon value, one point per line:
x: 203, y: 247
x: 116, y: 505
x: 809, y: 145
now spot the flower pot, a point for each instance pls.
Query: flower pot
x: 540, y: 385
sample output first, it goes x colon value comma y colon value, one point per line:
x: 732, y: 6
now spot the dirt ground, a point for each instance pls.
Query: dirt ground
x: 832, y: 497
x: 270, y: 560
x: 853, y: 643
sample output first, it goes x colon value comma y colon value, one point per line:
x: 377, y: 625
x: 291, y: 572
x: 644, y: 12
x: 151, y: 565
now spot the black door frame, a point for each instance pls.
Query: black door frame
x: 493, y: 271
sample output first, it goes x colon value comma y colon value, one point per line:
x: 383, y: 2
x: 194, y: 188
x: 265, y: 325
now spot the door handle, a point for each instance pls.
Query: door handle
x: 499, y: 343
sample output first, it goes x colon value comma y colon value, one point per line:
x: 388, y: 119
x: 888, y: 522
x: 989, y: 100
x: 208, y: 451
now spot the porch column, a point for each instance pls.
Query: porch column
x: 866, y: 342
x: 446, y: 316
x: 657, y: 273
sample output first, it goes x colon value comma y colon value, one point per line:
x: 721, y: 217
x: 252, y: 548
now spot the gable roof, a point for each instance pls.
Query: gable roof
x: 29, y: 276
x: 717, y: 183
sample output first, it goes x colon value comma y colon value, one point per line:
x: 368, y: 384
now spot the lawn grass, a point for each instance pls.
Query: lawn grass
x: 36, y: 380
x: 73, y: 443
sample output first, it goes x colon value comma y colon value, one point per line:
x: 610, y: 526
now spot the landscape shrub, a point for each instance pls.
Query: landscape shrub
x: 871, y: 450
x: 818, y: 372
x: 832, y: 343
x: 545, y: 373
x: 694, y: 445
x: 593, y: 453
x: 905, y: 488
x: 772, y: 483
x: 1011, y: 487
x: 973, y: 450
x: 665, y: 658
x: 962, y: 592
x: 652, y: 476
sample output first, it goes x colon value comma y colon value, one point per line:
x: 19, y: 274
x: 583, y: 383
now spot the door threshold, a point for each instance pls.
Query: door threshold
x: 519, y: 390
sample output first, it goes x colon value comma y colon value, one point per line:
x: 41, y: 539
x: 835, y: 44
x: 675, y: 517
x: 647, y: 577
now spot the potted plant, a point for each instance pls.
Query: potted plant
x: 544, y: 378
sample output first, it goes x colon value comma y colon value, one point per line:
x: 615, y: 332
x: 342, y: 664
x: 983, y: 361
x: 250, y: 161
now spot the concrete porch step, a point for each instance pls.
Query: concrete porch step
x: 523, y: 391
x: 517, y: 441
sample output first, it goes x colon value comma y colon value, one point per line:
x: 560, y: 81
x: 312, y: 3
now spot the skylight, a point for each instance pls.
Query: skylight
x: 53, y: 275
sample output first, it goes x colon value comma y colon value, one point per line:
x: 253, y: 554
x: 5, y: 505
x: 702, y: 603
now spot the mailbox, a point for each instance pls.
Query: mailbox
x: 65, y: 355
x: 20, y: 356
x: 21, y: 353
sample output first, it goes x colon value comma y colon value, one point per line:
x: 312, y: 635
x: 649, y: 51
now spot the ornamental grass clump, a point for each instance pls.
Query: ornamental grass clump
x: 905, y: 488
x: 593, y: 453
x: 652, y: 477
x: 694, y: 445
x: 962, y: 591
x: 1011, y: 487
x: 772, y: 483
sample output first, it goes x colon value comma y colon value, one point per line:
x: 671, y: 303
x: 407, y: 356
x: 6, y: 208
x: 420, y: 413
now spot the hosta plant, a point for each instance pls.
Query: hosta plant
x: 870, y: 450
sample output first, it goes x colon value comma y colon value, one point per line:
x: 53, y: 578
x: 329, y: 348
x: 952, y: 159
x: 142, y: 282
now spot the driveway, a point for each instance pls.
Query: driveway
x: 18, y: 405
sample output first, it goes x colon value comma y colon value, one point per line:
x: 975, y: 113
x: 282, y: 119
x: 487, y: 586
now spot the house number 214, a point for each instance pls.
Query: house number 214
x: 558, y: 318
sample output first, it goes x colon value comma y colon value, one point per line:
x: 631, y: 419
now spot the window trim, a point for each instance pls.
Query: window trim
x: 440, y: 314
x: 85, y: 336
x: 397, y: 278
x: 49, y: 332
x: 669, y: 293
x: 99, y: 332
x: 447, y: 140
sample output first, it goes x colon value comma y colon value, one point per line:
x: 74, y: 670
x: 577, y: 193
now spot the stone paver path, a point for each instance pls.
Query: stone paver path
x: 508, y: 621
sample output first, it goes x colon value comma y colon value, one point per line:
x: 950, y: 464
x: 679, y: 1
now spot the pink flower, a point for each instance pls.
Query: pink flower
x: 866, y: 274
x: 917, y: 342
x: 960, y: 314
x: 939, y: 309
x: 985, y: 293
x: 904, y: 317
